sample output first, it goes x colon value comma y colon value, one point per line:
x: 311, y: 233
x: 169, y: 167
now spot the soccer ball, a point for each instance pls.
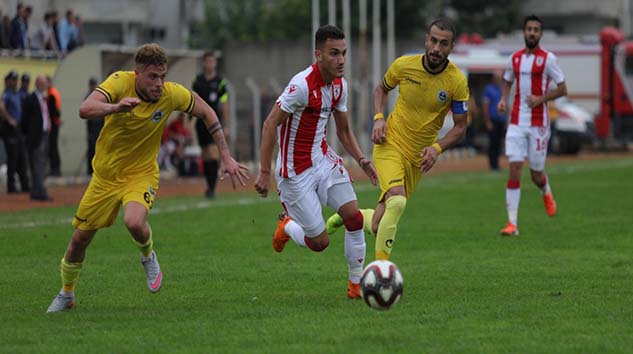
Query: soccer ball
x: 381, y: 285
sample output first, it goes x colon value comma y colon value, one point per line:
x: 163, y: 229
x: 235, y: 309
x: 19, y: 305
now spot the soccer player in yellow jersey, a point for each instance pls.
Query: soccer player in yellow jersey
x: 136, y: 105
x: 406, y: 144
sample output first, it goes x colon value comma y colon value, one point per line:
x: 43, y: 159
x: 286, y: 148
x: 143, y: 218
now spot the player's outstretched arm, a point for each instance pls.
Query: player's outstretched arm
x: 456, y: 134
x: 229, y: 166
x: 379, y: 131
x: 96, y: 106
x: 348, y: 140
x: 269, y: 134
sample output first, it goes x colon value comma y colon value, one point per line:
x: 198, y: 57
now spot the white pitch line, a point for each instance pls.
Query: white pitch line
x: 365, y: 187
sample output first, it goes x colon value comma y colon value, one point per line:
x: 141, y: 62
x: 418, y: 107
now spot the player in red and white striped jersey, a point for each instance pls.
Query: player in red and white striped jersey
x: 309, y: 173
x: 534, y: 70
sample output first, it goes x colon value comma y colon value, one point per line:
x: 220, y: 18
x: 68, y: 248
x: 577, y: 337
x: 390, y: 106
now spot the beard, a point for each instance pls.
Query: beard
x: 530, y: 43
x: 434, y: 64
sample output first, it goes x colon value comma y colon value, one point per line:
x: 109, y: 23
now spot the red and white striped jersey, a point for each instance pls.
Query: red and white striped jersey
x: 533, y: 72
x: 310, y: 102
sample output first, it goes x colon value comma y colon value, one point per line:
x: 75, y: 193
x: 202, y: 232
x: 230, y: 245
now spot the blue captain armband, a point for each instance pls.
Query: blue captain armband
x: 459, y: 107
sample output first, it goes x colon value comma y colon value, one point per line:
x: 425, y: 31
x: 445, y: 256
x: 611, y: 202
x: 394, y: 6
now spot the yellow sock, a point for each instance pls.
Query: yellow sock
x: 147, y: 247
x: 368, y: 214
x: 389, y: 225
x: 70, y: 274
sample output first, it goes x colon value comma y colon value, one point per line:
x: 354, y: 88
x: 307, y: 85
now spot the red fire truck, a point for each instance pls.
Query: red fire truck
x: 616, y: 86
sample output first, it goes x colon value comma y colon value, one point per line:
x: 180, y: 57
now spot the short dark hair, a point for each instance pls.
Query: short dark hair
x: 207, y: 54
x: 444, y: 24
x: 532, y: 17
x: 326, y: 32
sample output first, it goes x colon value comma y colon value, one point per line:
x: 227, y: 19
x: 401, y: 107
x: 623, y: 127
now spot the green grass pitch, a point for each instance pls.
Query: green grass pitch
x: 564, y: 286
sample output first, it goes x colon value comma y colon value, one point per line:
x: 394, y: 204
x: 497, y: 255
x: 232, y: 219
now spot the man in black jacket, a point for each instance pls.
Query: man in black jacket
x: 36, y: 126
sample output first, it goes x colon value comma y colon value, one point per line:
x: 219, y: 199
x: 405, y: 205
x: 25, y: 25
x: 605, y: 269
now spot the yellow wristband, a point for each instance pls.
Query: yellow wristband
x: 379, y: 115
x: 437, y: 148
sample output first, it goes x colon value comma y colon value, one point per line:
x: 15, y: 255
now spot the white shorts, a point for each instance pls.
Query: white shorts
x: 327, y: 183
x: 524, y: 141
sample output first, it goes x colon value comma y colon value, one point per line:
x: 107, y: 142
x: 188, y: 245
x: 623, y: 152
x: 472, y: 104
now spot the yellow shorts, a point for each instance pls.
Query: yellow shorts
x: 394, y: 170
x: 101, y: 202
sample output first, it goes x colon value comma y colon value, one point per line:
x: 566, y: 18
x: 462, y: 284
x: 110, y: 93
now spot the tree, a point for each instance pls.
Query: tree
x: 264, y: 20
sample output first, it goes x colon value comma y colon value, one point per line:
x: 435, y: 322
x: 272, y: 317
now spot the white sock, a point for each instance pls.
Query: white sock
x: 67, y: 293
x: 296, y: 233
x: 355, y: 253
x: 546, y: 188
x: 513, y: 196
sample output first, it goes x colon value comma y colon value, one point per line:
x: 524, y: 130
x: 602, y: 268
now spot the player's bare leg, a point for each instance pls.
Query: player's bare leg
x: 135, y: 220
x: 70, y: 267
x: 541, y: 180
x: 335, y: 222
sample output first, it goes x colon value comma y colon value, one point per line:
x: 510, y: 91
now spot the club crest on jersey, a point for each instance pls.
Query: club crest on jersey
x: 337, y: 90
x: 292, y: 88
x: 157, y: 116
x: 442, y: 96
x: 539, y: 61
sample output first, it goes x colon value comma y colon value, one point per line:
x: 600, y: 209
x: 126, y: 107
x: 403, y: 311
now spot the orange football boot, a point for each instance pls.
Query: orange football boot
x: 550, y: 204
x: 510, y: 230
x: 353, y: 290
x: 280, y: 237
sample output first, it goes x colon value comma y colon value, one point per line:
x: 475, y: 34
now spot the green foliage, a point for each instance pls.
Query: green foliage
x: 264, y: 20
x: 563, y: 286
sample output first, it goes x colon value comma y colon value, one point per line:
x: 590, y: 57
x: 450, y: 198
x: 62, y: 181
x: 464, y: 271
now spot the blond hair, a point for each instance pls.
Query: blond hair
x: 150, y: 54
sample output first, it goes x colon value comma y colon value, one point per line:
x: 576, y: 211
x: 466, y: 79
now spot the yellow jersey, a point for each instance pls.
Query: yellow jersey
x: 423, y: 100
x: 128, y: 144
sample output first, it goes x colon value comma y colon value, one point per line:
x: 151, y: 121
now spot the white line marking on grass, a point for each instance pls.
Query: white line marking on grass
x: 169, y: 209
x: 362, y: 187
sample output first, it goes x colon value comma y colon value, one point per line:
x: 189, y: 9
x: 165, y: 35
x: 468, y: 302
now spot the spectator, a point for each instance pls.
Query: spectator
x: 44, y: 38
x: 11, y: 135
x: 67, y: 32
x: 80, y: 31
x: 494, y: 120
x: 93, y: 126
x: 53, y: 141
x: 19, y: 29
x: 55, y: 20
x: 36, y: 126
x: 25, y: 81
x: 5, y: 29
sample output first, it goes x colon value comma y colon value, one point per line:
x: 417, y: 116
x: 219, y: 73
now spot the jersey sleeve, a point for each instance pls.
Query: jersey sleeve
x: 459, y: 103
x: 508, y: 73
x: 392, y: 76
x: 341, y: 105
x: 181, y: 98
x: 295, y: 95
x: 114, y: 86
x: 553, y: 70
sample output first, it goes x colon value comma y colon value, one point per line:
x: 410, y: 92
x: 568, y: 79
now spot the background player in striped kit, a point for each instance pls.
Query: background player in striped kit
x: 529, y: 129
